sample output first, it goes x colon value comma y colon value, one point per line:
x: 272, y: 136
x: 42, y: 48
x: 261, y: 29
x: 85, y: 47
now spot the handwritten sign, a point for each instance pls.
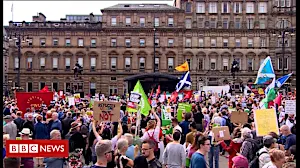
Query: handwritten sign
x: 221, y: 133
x: 106, y: 111
x: 265, y: 121
x: 290, y: 106
x: 239, y: 117
x: 135, y: 97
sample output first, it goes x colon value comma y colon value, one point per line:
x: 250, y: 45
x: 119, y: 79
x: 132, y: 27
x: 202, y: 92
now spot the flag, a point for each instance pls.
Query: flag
x: 174, y: 97
x: 166, y: 117
x: 187, y: 94
x: 185, y: 81
x: 158, y: 91
x: 144, y: 104
x: 183, y: 67
x: 150, y: 97
x: 278, y: 99
x: 265, y: 72
x: 282, y: 80
x: 45, y: 89
x: 270, y: 86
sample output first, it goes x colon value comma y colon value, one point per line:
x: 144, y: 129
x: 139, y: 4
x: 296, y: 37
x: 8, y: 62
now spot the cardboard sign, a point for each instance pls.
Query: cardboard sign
x: 239, y: 117
x: 183, y: 107
x: 106, y: 111
x: 290, y: 106
x: 221, y: 133
x: 265, y: 121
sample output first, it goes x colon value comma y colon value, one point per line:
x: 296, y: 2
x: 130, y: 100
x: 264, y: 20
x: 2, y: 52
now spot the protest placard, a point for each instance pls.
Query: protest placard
x: 290, y: 106
x: 239, y: 117
x: 106, y: 111
x: 71, y: 101
x: 265, y: 121
x: 221, y: 133
x: 183, y: 107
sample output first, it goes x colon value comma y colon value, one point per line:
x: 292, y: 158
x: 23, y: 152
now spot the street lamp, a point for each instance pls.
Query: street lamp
x: 284, y: 31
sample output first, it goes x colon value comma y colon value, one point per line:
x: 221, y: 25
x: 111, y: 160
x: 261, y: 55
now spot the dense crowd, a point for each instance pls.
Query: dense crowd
x: 191, y: 143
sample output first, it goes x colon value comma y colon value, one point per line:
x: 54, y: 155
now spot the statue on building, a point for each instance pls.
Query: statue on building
x: 77, y: 69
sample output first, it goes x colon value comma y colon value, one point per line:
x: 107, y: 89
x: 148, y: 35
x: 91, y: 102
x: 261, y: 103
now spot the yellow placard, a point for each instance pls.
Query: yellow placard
x: 261, y: 91
x: 265, y: 121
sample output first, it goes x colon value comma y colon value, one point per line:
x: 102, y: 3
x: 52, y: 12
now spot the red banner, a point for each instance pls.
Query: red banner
x: 27, y: 99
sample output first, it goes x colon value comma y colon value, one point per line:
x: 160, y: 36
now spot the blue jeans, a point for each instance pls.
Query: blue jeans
x: 214, y: 153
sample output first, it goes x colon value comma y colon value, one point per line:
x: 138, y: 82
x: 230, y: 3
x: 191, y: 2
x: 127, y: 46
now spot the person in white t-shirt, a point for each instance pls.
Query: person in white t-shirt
x: 153, y: 129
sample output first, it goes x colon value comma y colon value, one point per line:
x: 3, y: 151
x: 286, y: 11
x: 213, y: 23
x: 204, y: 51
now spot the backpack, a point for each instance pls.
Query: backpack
x: 256, y: 146
x: 255, y: 162
x: 153, y: 139
x: 229, y: 124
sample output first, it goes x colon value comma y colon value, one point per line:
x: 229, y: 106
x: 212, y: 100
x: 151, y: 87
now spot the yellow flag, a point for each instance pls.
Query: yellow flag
x: 183, y: 67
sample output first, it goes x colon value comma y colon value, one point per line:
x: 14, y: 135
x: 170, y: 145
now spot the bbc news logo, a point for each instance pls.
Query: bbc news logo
x: 37, y: 148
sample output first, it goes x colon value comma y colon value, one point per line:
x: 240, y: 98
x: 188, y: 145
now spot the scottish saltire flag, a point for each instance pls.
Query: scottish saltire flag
x: 265, y: 72
x: 282, y: 80
x: 185, y: 81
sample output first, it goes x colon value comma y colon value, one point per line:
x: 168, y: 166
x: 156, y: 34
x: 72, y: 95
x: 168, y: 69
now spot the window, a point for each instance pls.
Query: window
x: 156, y: 63
x: 171, y: 63
x: 212, y: 64
x: 281, y: 3
x: 55, y: 42
x: 113, y: 21
x: 250, y: 64
x: 127, y: 42
x: 225, y: 23
x: 188, y: 23
x: 201, y: 42
x: 43, y: 42
x: 127, y: 62
x: 67, y: 87
x: 225, y: 64
x: 237, y: 23
x: 213, y: 42
x: 113, y: 90
x: 93, y: 63
x: 80, y: 42
x: 288, y: 3
x: 250, y: 42
x: 16, y: 63
x: 249, y: 7
x: 142, y: 21
x: 54, y: 86
x: 237, y: 7
x: 213, y: 23
x: 68, y: 63
x: 128, y: 21
x: 170, y: 42
x: 29, y: 87
x: 200, y: 63
x: 113, y: 42
x: 285, y: 63
x: 92, y: 88
x: 188, y: 42
x: 29, y: 63
x: 262, y: 7
x: 225, y: 7
x: 170, y: 22
x: 156, y: 21
x: 237, y: 42
x: 262, y: 24
x: 142, y: 63
x: 93, y: 42
x: 262, y: 42
x: 42, y: 85
x: 157, y: 42
x: 261, y: 61
x: 68, y: 42
x: 29, y: 42
x: 80, y: 61
x: 201, y: 22
x: 42, y: 62
x: 286, y: 42
x: 250, y: 23
x: 142, y: 42
x: 213, y: 7
x: 55, y: 63
x: 188, y: 7
x: 113, y: 63
x: 200, y: 7
x: 225, y: 42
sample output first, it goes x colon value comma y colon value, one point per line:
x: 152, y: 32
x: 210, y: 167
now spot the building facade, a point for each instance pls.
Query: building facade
x: 5, y: 61
x: 207, y: 34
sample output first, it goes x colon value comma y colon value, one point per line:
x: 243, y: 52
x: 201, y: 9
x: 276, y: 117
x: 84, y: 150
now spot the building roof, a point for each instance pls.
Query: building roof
x: 152, y: 7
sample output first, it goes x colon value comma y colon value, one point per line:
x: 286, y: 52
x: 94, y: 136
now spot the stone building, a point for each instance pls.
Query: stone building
x: 5, y: 61
x: 118, y: 48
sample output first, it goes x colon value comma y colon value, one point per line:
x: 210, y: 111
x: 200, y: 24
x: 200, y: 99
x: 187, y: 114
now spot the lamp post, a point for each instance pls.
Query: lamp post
x: 284, y: 31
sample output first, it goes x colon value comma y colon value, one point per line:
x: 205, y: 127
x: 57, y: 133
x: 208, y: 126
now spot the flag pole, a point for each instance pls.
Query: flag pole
x: 12, y: 12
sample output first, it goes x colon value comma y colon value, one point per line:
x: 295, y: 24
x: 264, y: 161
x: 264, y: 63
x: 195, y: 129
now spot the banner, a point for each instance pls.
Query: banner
x: 166, y: 121
x: 290, y: 107
x: 36, y: 99
x: 183, y: 107
x: 265, y: 122
x: 106, y: 111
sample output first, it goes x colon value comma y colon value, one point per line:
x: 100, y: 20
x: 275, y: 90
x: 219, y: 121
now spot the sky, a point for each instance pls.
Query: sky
x: 55, y: 10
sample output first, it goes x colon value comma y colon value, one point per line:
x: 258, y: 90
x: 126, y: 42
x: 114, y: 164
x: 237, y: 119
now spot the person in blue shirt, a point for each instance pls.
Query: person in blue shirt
x: 290, y: 139
x: 198, y: 158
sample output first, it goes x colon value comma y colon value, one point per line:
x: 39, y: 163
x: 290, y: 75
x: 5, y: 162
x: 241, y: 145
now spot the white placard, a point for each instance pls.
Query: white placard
x: 290, y: 106
x: 135, y: 97
x: 221, y: 133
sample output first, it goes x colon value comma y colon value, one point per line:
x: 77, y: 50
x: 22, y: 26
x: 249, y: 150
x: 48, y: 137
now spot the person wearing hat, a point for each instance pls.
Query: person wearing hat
x: 240, y: 161
x: 10, y: 127
x: 25, y: 135
x: 264, y: 157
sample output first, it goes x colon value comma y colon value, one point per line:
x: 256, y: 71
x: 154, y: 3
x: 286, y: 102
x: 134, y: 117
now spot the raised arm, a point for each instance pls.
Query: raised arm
x: 158, y: 123
x: 121, y: 130
x: 98, y: 137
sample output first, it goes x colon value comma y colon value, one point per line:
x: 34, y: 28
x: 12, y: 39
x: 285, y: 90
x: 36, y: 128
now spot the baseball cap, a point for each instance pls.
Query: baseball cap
x: 240, y: 161
x: 268, y: 140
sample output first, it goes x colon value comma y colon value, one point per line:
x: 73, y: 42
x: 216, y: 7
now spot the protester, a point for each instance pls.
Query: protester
x: 121, y: 159
x: 239, y: 161
x: 148, y: 151
x: 19, y: 121
x: 140, y: 162
x: 40, y: 129
x: 190, y: 136
x: 290, y: 139
x: 277, y: 159
x: 198, y: 158
x: 264, y: 156
x: 103, y: 153
x: 66, y: 124
x: 54, y: 162
x: 5, y: 137
x: 247, y: 149
x: 10, y: 127
x: 25, y: 135
x: 11, y: 162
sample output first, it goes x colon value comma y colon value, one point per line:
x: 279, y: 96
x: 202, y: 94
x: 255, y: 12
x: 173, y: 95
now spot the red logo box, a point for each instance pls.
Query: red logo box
x: 37, y: 148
